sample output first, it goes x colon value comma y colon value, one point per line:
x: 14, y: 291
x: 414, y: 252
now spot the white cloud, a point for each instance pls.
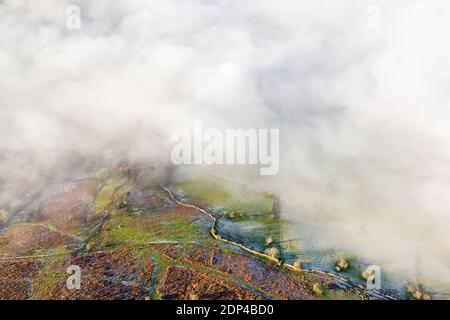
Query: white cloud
x: 363, y: 112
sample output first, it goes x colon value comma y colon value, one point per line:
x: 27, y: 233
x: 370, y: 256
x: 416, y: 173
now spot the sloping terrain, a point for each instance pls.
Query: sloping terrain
x: 133, y: 239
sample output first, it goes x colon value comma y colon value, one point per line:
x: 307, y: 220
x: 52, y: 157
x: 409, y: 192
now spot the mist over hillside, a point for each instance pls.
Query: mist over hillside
x: 359, y: 93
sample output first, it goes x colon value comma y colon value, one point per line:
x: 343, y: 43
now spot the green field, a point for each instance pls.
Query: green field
x: 247, y: 216
x: 213, y: 193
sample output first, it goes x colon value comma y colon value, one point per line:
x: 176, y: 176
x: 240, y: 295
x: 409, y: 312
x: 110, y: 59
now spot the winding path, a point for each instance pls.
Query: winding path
x: 343, y: 282
x: 340, y: 281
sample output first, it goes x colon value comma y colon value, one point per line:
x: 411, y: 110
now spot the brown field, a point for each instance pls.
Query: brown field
x: 133, y: 242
